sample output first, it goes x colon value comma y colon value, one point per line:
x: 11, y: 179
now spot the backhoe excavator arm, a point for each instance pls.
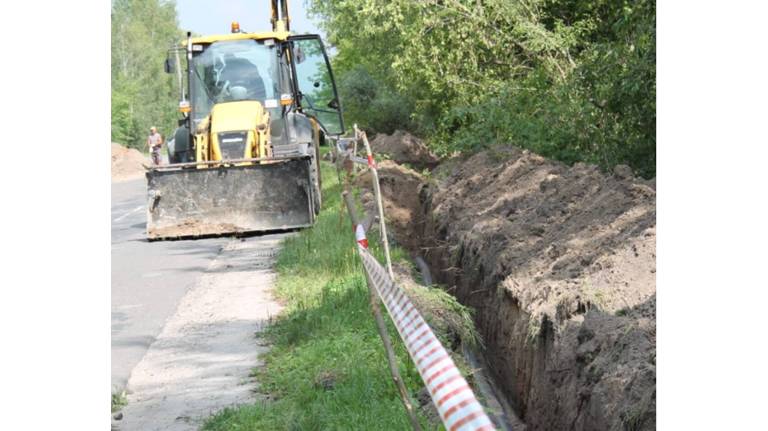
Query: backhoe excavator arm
x: 280, y: 16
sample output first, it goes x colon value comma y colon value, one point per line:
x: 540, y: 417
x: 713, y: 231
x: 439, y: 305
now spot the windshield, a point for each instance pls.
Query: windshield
x: 235, y: 70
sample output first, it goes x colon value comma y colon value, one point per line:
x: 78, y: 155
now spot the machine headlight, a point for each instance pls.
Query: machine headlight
x: 232, y: 144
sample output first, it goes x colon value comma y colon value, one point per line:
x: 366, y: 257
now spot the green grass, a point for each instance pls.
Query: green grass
x: 119, y: 400
x: 327, y: 369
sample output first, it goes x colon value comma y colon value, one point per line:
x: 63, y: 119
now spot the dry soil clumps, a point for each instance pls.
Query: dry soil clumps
x: 559, y: 263
x: 404, y: 148
x: 127, y: 163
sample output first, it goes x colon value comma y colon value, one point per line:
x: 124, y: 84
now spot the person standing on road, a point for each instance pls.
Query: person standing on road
x: 155, y: 142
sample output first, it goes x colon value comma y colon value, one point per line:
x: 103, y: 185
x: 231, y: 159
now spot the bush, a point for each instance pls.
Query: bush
x: 372, y: 104
x: 557, y: 121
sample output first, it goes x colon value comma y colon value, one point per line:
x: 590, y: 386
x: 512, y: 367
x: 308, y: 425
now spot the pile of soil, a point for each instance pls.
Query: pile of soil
x: 559, y: 263
x: 403, y: 213
x: 404, y: 148
x: 127, y: 163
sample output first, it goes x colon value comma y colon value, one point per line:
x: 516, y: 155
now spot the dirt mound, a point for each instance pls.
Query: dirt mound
x: 404, y: 148
x: 127, y: 163
x: 559, y: 264
x: 402, y: 205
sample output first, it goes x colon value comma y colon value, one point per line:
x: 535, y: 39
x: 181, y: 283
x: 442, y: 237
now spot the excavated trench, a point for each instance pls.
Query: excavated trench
x: 559, y: 265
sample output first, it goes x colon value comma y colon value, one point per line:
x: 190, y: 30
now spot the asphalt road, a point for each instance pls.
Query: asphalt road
x: 148, y: 278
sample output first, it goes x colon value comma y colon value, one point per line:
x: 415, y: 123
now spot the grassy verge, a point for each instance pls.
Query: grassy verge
x: 327, y: 369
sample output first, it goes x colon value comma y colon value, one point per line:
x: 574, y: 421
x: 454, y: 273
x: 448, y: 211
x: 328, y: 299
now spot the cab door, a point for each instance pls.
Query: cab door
x: 316, y: 94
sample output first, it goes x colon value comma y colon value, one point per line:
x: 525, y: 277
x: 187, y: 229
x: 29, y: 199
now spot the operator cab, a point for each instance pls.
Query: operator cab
x: 287, y: 75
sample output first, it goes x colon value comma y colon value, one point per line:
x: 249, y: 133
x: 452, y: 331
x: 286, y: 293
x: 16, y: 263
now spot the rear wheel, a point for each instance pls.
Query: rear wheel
x: 172, y: 155
x: 182, y: 150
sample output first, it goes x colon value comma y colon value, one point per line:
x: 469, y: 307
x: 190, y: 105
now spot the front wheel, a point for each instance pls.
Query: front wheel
x: 179, y: 148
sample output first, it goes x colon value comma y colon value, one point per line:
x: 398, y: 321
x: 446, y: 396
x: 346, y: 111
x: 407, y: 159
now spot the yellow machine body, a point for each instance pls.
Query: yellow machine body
x: 279, y: 35
x: 247, y: 117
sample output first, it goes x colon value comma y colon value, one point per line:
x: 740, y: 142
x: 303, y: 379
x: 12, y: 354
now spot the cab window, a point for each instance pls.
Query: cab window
x: 315, y: 85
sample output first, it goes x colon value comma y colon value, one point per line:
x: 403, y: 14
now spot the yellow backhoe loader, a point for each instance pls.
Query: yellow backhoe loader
x: 255, y: 107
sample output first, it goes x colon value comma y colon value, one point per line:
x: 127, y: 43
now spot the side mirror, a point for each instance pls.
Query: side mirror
x: 334, y: 104
x: 299, y: 55
x: 169, y: 66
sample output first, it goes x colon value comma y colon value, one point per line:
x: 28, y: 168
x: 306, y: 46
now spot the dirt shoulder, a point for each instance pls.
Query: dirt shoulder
x: 559, y: 263
x: 202, y: 360
x: 127, y: 163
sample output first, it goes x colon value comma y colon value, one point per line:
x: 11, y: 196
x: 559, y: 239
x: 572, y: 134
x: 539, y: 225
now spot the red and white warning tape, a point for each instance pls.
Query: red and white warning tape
x: 360, y: 236
x: 454, y: 399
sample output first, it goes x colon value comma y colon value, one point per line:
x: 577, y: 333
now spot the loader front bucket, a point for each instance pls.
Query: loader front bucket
x: 186, y: 201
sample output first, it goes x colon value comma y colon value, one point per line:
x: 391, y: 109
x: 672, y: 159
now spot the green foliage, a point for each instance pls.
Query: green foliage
x: 571, y: 79
x: 372, y: 104
x: 119, y: 400
x: 142, y: 94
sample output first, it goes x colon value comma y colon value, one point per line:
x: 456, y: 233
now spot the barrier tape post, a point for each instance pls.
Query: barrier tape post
x: 362, y: 242
x: 354, y: 149
x: 379, y: 203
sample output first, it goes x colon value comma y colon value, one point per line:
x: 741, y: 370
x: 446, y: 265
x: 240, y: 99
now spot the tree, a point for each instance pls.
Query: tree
x: 142, y: 94
x: 571, y: 79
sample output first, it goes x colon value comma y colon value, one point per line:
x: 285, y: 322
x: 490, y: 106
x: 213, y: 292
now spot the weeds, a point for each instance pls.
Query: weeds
x: 535, y: 324
x: 451, y: 321
x: 119, y: 400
